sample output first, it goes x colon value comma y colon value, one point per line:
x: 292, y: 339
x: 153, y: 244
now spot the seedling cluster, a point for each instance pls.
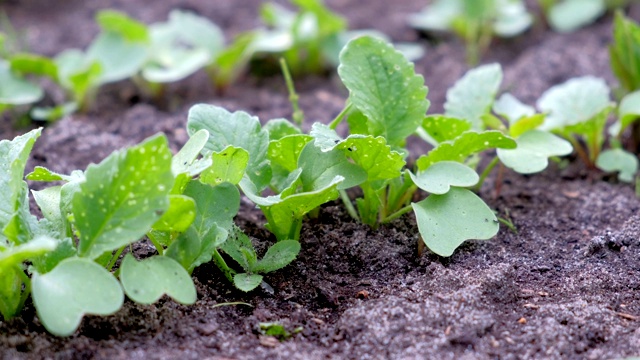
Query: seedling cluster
x: 185, y: 203
x: 155, y: 55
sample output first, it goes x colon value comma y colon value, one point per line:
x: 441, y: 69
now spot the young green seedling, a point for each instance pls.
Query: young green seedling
x: 310, y: 40
x: 475, y: 21
x: 15, y: 90
x: 624, y: 53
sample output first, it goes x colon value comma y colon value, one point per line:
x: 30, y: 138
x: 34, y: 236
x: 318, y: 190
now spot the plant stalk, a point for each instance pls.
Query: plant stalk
x: 298, y: 115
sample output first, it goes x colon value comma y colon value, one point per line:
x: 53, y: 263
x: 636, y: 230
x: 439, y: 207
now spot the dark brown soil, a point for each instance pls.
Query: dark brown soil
x: 565, y: 286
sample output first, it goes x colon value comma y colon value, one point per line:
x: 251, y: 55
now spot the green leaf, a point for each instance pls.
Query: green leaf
x: 53, y: 113
x: 74, y: 288
x: 32, y: 64
x: 239, y: 247
x: 573, y: 102
x: 463, y: 146
x: 230, y: 61
x: 17, y: 254
x: 512, y: 18
x: 48, y: 201
x: 127, y: 27
x: 628, y: 113
x: 618, y: 160
x: 320, y: 168
x: 534, y: 149
x: 446, y: 221
x: 123, y: 197
x: 285, y: 151
x: 228, y: 165
x: 247, y: 282
x: 570, y: 15
x: 374, y: 156
x: 439, y: 177
x: 44, y: 263
x: 383, y: 85
x: 473, y: 95
x: 11, y: 284
x: 278, y: 256
x: 237, y: 129
x: 146, y: 281
x: 185, y: 160
x: 623, y: 52
x: 443, y: 128
x: 437, y: 16
x: 14, y: 155
x: 215, y: 209
x: 16, y: 90
x: 324, y: 137
x: 279, y: 128
x: 179, y: 216
x: 526, y: 124
x: 40, y: 173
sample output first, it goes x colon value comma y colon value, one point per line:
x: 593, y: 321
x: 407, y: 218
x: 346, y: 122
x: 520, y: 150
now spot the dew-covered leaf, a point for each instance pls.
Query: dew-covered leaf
x: 320, y: 168
x: 534, y: 149
x: 443, y: 128
x: 473, y: 95
x: 463, y: 146
x: 146, y: 281
x: 324, y: 137
x: 441, y: 176
x: 72, y: 289
x: 374, y: 156
x: 237, y: 129
x: 123, y: 197
x: 247, y: 282
x: 383, y: 85
x: 279, y: 128
x: 285, y: 151
x: 446, y: 221
x: 227, y: 165
x: 179, y: 216
x: 573, y: 102
x: 620, y: 161
x: 40, y: 173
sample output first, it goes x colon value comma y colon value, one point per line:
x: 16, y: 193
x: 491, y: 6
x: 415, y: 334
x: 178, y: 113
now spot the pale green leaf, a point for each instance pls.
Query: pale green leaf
x: 119, y: 59
x: 534, y: 149
x: 446, y: 221
x: 325, y: 137
x: 285, y: 151
x: 383, y: 85
x: 123, y: 197
x: 74, y: 288
x: 16, y: 90
x: 320, y: 168
x: 185, y: 160
x: 146, y: 281
x: 628, y: 113
x: 473, y: 95
x: 570, y: 15
x: 618, y: 160
x: 573, y: 102
x: 118, y: 22
x: 247, y: 282
x: 512, y: 109
x: 441, y: 176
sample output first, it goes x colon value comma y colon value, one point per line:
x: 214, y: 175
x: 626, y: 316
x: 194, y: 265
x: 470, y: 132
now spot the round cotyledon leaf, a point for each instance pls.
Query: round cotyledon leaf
x: 146, y: 281
x: 446, y: 221
x: 439, y: 177
x: 533, y: 151
x: 77, y: 286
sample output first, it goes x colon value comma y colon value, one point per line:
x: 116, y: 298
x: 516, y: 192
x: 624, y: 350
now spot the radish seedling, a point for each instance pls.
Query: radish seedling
x: 475, y: 21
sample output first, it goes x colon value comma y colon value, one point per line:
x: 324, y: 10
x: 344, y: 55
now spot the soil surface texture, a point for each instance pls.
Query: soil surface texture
x: 565, y: 284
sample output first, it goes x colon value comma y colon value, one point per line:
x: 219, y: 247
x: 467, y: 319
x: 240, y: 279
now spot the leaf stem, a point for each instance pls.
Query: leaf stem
x: 347, y: 203
x: 156, y: 244
x: 338, y: 119
x: 298, y: 115
x: 486, y: 172
x: 115, y: 257
x: 222, y: 265
x: 397, y: 214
